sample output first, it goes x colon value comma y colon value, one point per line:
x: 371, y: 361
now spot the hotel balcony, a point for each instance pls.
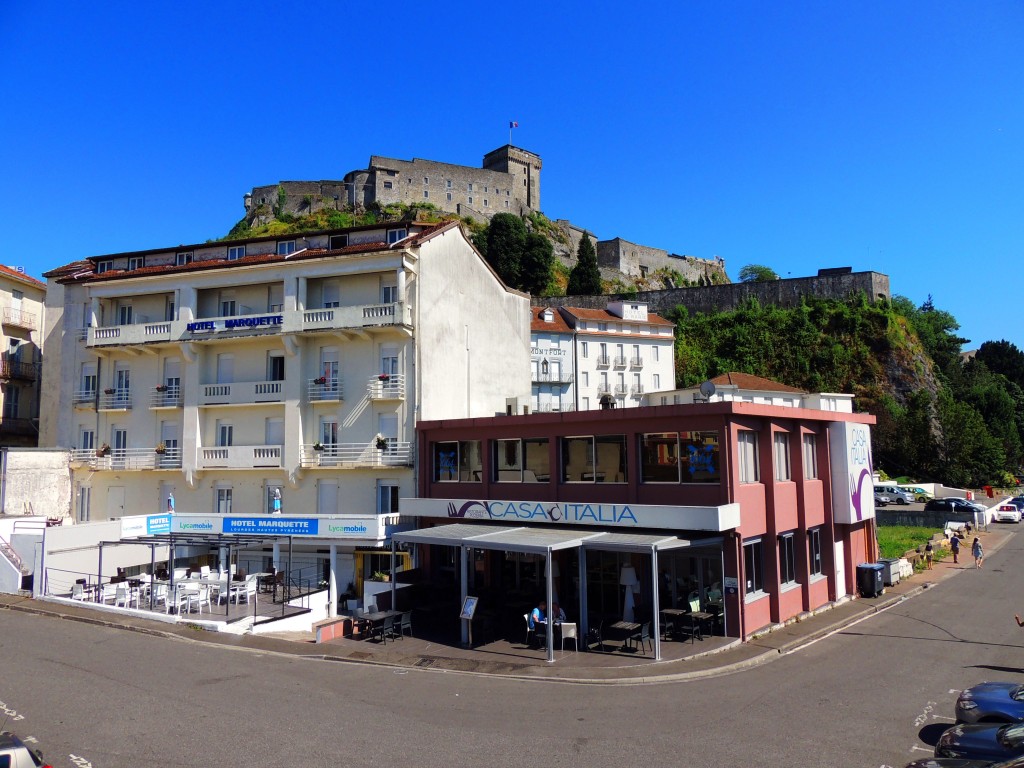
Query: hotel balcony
x: 636, y: 362
x: 165, y: 397
x: 241, y: 393
x: 356, y: 455
x: 10, y: 369
x: 325, y: 390
x: 240, y: 457
x: 19, y: 427
x: 290, y: 321
x: 603, y: 389
x: 554, y: 407
x: 391, y: 388
x: 19, y: 318
x: 554, y: 377
x: 637, y: 390
x: 115, y: 400
x: 621, y: 390
x: 603, y: 361
x: 126, y: 458
x: 84, y: 399
x: 620, y: 361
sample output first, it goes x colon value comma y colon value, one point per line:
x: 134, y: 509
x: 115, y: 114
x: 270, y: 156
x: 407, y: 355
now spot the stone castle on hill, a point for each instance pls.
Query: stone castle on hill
x: 508, y: 181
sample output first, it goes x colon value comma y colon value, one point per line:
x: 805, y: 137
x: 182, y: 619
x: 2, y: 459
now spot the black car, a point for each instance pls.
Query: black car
x: 956, y: 762
x: 982, y: 742
x: 950, y: 505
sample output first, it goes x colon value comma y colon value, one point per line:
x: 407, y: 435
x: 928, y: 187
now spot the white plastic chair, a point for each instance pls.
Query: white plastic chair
x: 78, y: 592
x: 177, y: 600
x: 108, y: 592
x: 204, y: 572
x: 569, y: 633
x: 199, y: 599
x: 159, y: 595
x: 123, y: 596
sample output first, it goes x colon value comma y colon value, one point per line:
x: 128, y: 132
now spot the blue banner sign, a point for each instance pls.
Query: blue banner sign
x: 275, y: 526
x: 158, y: 524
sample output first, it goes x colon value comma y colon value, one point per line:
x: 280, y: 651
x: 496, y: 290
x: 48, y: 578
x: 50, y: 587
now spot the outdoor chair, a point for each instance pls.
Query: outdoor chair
x: 123, y: 596
x: 540, y: 632
x: 204, y: 572
x: 569, y: 633
x: 595, y: 636
x: 78, y: 592
x: 199, y: 598
x: 108, y: 592
x: 159, y: 595
x: 403, y: 623
x: 643, y: 636
x: 529, y: 630
x: 176, y: 600
x: 384, y: 629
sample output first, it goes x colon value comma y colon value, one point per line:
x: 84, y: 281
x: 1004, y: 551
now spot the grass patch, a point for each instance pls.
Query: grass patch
x: 896, y: 540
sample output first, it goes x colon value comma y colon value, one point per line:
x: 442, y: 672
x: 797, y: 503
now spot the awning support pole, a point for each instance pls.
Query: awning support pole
x: 655, y: 604
x: 463, y: 590
x: 551, y: 604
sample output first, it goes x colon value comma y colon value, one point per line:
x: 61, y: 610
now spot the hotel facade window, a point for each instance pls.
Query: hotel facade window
x: 747, y: 455
x: 814, y: 550
x: 787, y: 559
x: 753, y: 568
x: 810, y: 457
x: 780, y: 442
x: 599, y: 459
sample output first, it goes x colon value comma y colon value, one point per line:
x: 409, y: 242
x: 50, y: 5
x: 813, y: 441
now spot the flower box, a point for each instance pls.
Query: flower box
x: 322, y: 380
x: 103, y: 450
x: 382, y: 443
x: 108, y: 391
x: 318, y: 446
x: 384, y: 377
x: 161, y: 387
x: 161, y: 448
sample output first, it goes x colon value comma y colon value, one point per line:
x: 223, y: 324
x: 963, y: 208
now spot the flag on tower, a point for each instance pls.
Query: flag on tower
x: 513, y: 124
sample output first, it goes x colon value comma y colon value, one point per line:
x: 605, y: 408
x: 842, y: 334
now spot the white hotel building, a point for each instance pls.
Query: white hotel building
x: 225, y: 373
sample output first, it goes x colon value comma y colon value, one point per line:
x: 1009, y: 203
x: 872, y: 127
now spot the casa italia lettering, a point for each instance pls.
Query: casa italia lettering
x: 584, y: 514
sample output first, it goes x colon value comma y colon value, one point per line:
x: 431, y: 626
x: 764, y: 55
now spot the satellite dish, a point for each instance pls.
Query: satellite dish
x: 707, y: 389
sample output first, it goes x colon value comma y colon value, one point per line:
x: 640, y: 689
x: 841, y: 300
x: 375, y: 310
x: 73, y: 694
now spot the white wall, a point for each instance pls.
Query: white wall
x: 37, y: 481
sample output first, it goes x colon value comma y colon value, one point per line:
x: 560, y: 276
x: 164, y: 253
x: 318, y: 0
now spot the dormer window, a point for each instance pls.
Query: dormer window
x: 235, y: 252
x: 338, y: 241
x: 104, y: 266
x: 284, y: 247
x: 549, y: 316
x: 394, y: 235
x: 136, y: 262
x: 181, y: 259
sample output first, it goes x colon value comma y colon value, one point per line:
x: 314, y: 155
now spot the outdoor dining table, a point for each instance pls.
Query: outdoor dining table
x: 622, y: 630
x: 364, y: 621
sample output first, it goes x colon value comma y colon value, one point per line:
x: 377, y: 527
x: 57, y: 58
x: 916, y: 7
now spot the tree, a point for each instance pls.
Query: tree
x: 585, y: 277
x: 757, y: 273
x: 535, y: 267
x: 506, y: 240
x: 1003, y: 357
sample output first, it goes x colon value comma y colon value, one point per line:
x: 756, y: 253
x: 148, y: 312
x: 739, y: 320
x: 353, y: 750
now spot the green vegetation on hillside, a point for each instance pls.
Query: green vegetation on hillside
x: 938, y: 418
x: 330, y: 218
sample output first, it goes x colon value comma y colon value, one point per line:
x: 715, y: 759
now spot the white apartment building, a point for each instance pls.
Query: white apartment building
x: 21, y: 315
x: 232, y: 375
x: 585, y: 359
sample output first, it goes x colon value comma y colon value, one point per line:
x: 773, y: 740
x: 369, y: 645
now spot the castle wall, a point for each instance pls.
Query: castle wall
x: 722, y: 298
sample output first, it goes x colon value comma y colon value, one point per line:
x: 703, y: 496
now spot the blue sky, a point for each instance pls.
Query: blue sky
x: 876, y: 135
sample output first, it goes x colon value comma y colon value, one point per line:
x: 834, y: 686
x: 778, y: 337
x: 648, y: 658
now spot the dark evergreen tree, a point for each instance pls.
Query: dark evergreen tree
x: 535, y: 268
x: 585, y: 277
x: 506, y: 241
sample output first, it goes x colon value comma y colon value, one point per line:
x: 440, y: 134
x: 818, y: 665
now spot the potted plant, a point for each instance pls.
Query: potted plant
x: 320, y: 380
x: 103, y: 450
x: 381, y: 576
x: 318, y: 446
x: 161, y: 387
x: 381, y: 442
x: 161, y: 448
x: 384, y: 376
x: 108, y: 391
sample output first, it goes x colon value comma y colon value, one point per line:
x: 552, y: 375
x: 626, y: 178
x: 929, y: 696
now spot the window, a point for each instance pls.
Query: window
x: 225, y: 434
x: 470, y: 200
x: 683, y: 457
x: 471, y: 461
x: 84, y: 496
x: 753, y: 563
x: 88, y: 379
x: 388, y: 185
x: 12, y: 398
x: 781, y: 455
x: 814, y: 550
x: 394, y: 235
x: 810, y: 456
x: 124, y: 313
x: 600, y: 459
x: 338, y: 241
x: 426, y: 179
x: 657, y: 381
x: 181, y: 259
x: 104, y: 266
x: 446, y: 462
x: 602, y: 326
x: 223, y: 501
x: 485, y: 202
x: 284, y: 247
x: 469, y: 187
x: 387, y: 497
x: 426, y: 193
x: 586, y: 378
x: 272, y: 493
x: 227, y: 304
x: 747, y: 455
x: 584, y: 350
x: 235, y: 252
x: 87, y: 439
x: 275, y: 366
x: 654, y: 353
x: 448, y: 185
x: 787, y: 559
x: 449, y: 196
x: 521, y: 461
x: 136, y: 262
x: 506, y: 203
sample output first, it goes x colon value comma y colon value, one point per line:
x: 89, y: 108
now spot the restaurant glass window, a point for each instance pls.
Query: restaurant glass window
x: 446, y: 462
x: 753, y: 564
x: 611, y: 459
x: 780, y: 454
x: 700, y: 459
x: 471, y: 461
x: 577, y: 458
x: 814, y: 550
x: 659, y: 457
x: 787, y: 559
x: 810, y: 456
x: 747, y: 455
x: 508, y: 461
x: 537, y: 457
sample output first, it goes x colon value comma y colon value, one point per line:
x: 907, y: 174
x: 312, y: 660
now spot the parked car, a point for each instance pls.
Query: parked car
x: 920, y: 494
x: 16, y: 754
x: 1006, y: 513
x: 991, y: 703
x: 1017, y: 501
x: 895, y: 493
x: 881, y: 499
x: 982, y: 742
x: 951, y: 505
x: 956, y: 762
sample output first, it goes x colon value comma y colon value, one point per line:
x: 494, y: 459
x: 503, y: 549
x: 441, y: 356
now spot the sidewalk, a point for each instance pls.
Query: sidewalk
x: 583, y: 668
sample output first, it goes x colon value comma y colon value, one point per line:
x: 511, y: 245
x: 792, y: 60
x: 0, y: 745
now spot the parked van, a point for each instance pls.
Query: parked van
x: 896, y: 494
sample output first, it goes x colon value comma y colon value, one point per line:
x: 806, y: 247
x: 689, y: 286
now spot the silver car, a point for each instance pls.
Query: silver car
x: 16, y: 754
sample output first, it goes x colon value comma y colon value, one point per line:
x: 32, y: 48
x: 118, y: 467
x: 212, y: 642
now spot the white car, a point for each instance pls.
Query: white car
x: 1006, y: 513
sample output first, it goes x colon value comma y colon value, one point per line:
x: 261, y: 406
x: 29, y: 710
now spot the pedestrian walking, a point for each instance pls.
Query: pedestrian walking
x: 928, y: 555
x: 954, y: 545
x: 978, y: 552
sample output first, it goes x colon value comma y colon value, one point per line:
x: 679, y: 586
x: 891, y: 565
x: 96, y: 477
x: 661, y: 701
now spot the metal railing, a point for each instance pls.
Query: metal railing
x: 340, y: 455
x: 127, y: 458
x: 603, y: 389
x: 20, y: 318
x: 620, y: 361
x: 390, y: 388
x: 637, y: 390
x: 554, y: 377
x: 603, y: 361
x: 10, y: 369
x: 636, y: 362
x: 162, y: 396
x: 621, y: 389
x: 325, y: 389
x: 115, y: 399
x: 84, y: 397
x: 554, y: 407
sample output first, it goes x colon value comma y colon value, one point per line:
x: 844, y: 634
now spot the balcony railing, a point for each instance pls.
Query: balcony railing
x: 10, y: 369
x: 84, y: 398
x: 240, y: 457
x: 637, y: 390
x: 620, y: 361
x: 116, y: 399
x: 241, y: 393
x: 553, y: 377
x: 603, y: 361
x: 127, y: 458
x: 603, y: 389
x: 391, y: 388
x: 272, y: 321
x: 20, y: 318
x: 636, y: 362
x: 337, y: 455
x: 621, y: 390
x: 19, y: 427
x: 554, y: 407
x: 325, y: 389
x: 165, y: 397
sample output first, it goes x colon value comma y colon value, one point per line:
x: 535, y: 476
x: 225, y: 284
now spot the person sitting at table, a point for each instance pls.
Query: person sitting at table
x: 537, y: 616
x: 557, y: 613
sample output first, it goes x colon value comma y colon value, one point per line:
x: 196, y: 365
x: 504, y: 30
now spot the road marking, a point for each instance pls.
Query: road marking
x: 81, y: 762
x: 30, y: 739
x: 11, y: 713
x: 923, y: 717
x: 954, y: 690
x: 920, y: 748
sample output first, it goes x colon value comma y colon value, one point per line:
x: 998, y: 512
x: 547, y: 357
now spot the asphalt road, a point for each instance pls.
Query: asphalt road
x: 878, y: 693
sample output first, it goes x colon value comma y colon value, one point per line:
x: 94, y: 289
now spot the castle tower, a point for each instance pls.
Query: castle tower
x: 524, y: 166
